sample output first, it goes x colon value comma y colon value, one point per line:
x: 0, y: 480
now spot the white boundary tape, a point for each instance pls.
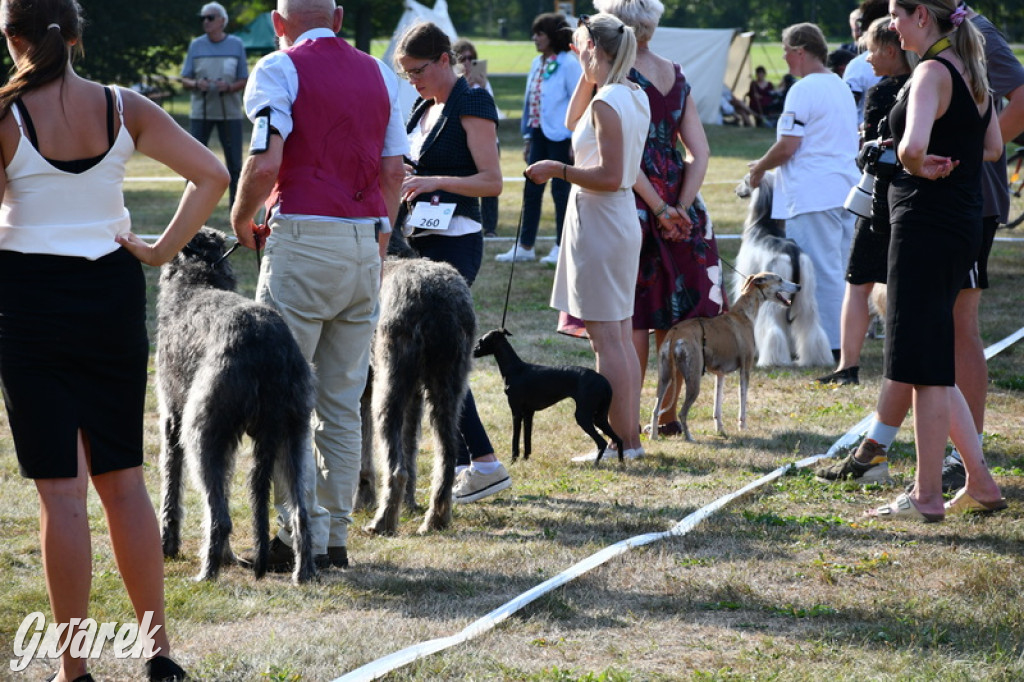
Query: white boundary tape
x: 382, y: 666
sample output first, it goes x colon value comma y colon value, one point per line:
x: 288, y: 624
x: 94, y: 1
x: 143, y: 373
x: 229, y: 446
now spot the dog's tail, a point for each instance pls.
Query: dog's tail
x: 666, y: 383
x: 809, y: 340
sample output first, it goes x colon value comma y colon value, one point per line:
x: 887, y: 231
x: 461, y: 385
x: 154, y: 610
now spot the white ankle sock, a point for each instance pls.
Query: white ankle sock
x: 485, y: 467
x: 883, y: 434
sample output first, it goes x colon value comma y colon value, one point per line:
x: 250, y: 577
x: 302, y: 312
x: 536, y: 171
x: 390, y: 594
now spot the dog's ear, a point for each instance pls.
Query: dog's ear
x: 505, y: 332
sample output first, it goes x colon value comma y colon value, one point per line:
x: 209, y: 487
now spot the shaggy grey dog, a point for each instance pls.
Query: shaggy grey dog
x: 228, y: 366
x: 421, y: 351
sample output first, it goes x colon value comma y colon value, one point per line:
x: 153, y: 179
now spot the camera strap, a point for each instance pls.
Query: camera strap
x: 941, y: 44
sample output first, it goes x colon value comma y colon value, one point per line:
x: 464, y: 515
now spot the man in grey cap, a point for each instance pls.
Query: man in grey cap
x: 215, y: 71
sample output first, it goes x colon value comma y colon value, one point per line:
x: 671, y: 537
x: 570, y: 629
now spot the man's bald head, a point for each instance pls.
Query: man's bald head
x: 293, y: 8
x: 295, y: 17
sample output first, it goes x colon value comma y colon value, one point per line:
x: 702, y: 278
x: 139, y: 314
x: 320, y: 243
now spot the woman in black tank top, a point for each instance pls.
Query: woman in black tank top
x: 943, y: 128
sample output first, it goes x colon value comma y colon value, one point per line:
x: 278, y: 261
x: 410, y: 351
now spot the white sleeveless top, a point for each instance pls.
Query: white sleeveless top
x: 633, y: 107
x: 49, y: 211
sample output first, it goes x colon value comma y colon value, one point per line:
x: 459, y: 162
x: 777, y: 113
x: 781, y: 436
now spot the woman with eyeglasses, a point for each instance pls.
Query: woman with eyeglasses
x: 553, y: 76
x: 596, y: 274
x: 453, y: 138
x: 73, y: 344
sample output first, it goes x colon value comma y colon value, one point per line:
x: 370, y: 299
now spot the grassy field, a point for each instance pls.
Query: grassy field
x: 789, y: 583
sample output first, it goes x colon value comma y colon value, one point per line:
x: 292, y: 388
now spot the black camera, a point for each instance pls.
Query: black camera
x: 869, y: 199
x: 878, y: 158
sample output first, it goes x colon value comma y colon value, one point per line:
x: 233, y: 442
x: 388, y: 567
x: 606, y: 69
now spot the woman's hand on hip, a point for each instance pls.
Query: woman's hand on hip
x: 146, y: 253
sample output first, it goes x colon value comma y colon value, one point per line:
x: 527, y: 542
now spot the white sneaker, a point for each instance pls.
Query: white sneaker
x: 552, y: 257
x: 471, y: 485
x: 520, y: 254
x: 611, y: 455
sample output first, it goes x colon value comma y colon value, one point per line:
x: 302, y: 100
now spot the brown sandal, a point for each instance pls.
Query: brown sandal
x: 963, y: 503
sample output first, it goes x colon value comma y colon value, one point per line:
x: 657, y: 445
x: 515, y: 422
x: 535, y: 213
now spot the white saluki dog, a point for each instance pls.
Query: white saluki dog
x: 784, y: 335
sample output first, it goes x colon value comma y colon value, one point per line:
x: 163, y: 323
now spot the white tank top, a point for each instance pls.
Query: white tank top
x: 49, y: 211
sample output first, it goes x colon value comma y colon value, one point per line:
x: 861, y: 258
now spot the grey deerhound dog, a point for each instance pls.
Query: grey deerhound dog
x: 531, y: 388
x: 421, y: 351
x: 228, y: 366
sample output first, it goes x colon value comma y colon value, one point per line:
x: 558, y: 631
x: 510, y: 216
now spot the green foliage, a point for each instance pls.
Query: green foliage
x: 126, y: 40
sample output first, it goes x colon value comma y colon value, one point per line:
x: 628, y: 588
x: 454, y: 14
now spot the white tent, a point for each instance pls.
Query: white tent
x: 415, y: 13
x: 704, y: 55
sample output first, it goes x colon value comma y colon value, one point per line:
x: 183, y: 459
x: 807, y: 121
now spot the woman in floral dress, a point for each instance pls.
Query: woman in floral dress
x: 680, y: 274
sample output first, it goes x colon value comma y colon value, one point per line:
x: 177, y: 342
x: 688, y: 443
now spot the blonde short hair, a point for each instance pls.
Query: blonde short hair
x: 642, y: 15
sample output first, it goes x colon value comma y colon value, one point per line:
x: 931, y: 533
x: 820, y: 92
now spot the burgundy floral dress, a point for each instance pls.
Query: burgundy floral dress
x: 677, y: 279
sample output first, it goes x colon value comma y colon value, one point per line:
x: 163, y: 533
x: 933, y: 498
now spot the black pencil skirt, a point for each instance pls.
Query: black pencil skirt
x: 73, y: 356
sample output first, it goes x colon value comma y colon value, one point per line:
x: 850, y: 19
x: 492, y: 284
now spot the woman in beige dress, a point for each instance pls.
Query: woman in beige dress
x: 597, y: 266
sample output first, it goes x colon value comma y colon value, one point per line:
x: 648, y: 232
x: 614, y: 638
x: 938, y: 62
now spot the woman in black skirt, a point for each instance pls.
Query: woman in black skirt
x: 943, y: 126
x: 73, y: 345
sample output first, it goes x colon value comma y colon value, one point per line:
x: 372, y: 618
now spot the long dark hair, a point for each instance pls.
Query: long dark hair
x: 46, y: 27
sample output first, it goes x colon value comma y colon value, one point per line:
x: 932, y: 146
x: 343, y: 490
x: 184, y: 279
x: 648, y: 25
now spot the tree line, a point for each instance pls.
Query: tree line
x: 126, y: 40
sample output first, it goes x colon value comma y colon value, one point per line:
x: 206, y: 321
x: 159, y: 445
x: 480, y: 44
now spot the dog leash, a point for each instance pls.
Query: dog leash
x: 732, y: 267
x: 515, y: 249
x: 259, y: 231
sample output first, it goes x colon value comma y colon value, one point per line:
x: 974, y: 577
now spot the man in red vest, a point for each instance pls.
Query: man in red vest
x: 326, y: 160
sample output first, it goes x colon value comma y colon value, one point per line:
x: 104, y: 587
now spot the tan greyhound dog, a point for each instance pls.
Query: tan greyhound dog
x: 719, y: 345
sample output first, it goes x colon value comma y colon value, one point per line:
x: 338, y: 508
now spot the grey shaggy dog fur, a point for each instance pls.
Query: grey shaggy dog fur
x: 227, y: 367
x: 421, y: 352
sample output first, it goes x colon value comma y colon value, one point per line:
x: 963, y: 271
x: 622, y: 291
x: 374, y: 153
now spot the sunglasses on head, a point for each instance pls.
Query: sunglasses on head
x: 210, y: 17
x: 585, y: 20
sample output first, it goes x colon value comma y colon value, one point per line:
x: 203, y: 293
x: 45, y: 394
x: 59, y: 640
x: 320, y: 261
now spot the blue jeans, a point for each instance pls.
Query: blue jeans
x: 230, y: 135
x: 542, y: 148
x: 465, y: 254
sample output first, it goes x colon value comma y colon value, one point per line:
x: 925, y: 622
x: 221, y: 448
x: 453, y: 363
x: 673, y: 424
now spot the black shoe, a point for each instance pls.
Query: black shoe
x: 163, y: 669
x: 876, y: 470
x: 337, y: 557
x: 954, y: 476
x: 280, y: 558
x: 847, y: 375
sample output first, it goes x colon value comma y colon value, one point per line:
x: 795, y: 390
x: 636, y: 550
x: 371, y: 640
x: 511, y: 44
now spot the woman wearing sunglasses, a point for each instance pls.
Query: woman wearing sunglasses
x: 597, y: 267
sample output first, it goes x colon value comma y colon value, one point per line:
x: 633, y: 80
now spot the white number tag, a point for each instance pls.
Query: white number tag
x: 431, y: 215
